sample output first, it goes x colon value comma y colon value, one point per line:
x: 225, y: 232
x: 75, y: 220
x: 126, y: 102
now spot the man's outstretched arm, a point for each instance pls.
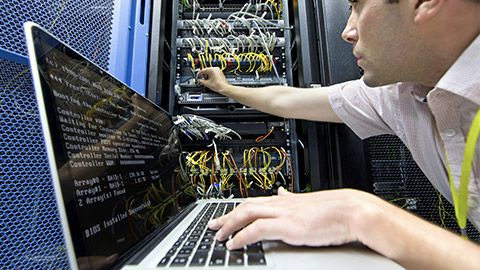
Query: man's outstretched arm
x: 341, y: 216
x: 280, y: 100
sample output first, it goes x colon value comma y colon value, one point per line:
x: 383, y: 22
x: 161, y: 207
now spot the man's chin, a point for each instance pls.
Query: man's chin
x: 371, y: 84
x: 375, y: 81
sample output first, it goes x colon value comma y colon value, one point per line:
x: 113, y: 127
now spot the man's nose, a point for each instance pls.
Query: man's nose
x: 350, y: 33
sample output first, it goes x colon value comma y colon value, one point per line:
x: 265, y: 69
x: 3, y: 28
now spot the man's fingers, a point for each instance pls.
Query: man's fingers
x: 216, y: 224
x: 202, y: 72
x: 206, y: 72
x: 202, y: 76
x: 283, y: 192
x: 248, y: 211
x: 261, y: 229
x: 236, y: 220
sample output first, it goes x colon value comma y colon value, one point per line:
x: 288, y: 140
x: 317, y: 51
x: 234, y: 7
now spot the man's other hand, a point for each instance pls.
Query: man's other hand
x: 312, y: 219
x: 213, y: 79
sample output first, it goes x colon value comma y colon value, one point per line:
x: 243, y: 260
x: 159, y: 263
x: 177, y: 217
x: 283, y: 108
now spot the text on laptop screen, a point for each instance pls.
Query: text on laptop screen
x: 115, y: 154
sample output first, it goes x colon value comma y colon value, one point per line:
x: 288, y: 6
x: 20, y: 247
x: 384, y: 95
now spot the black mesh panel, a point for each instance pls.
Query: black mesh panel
x: 398, y: 179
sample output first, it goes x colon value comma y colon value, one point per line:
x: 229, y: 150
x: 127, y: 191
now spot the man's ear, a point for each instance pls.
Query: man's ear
x: 426, y: 9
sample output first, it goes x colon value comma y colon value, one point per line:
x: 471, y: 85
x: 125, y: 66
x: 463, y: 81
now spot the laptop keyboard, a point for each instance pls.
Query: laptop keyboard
x: 198, y: 247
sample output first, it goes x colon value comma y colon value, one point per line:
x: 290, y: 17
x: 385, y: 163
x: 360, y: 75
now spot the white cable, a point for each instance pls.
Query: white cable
x: 270, y: 56
x: 257, y: 17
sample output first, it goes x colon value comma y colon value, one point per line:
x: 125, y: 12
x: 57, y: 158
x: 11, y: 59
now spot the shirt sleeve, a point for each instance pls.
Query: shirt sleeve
x: 367, y: 111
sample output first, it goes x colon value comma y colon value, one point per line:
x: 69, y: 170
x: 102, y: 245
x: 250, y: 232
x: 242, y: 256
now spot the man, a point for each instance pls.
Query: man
x: 423, y: 58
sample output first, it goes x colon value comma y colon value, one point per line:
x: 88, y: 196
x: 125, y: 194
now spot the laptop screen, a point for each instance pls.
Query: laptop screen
x: 115, y: 153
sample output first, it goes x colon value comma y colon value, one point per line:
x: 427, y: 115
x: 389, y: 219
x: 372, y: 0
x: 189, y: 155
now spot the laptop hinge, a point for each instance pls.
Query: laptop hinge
x: 150, y: 244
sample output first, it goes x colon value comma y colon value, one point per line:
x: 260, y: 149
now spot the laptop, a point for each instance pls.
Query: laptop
x: 123, y: 200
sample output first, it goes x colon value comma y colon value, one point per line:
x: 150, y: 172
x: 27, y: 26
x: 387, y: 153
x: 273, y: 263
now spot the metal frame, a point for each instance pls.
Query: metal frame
x: 156, y: 52
x: 14, y: 57
x: 130, y: 43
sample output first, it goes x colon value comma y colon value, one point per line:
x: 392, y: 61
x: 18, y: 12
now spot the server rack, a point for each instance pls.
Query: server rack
x: 250, y: 41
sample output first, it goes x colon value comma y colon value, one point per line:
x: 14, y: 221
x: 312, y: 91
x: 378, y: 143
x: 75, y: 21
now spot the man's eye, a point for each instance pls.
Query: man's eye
x: 351, y: 4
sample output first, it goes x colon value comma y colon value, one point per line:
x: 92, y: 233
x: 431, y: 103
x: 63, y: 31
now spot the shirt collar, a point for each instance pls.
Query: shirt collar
x: 420, y: 92
x: 463, y: 78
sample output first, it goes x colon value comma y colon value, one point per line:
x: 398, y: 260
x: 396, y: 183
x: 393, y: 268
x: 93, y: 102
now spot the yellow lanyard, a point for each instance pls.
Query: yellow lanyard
x: 460, y: 199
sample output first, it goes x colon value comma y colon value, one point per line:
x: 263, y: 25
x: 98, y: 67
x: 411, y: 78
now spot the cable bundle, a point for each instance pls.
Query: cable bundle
x: 210, y: 171
x: 201, y: 128
x: 256, y: 5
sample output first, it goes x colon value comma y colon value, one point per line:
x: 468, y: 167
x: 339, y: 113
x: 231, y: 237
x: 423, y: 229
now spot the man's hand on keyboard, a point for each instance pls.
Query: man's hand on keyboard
x: 340, y: 216
x: 313, y: 219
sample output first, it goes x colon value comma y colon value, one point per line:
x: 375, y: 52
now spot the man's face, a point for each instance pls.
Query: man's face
x: 382, y: 40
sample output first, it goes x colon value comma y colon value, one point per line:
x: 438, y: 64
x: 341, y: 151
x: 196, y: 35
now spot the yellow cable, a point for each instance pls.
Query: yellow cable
x: 224, y: 61
x: 200, y: 56
x: 191, y: 60
x: 58, y: 15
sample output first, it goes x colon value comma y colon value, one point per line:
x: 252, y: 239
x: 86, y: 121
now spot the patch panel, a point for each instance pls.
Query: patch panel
x: 246, y: 39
